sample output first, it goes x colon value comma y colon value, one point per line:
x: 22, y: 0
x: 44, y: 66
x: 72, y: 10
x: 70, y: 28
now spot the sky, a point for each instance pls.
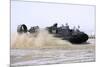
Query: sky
x: 46, y: 14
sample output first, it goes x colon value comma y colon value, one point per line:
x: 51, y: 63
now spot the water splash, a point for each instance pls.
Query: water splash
x: 42, y: 39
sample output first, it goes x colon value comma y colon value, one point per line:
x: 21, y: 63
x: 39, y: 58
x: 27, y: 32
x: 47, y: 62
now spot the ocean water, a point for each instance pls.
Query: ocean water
x: 42, y: 48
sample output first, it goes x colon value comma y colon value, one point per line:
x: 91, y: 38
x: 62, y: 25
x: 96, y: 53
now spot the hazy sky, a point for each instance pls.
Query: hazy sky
x: 46, y: 14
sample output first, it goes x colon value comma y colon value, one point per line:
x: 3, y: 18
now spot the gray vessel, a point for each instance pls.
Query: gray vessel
x: 64, y: 32
x: 72, y: 35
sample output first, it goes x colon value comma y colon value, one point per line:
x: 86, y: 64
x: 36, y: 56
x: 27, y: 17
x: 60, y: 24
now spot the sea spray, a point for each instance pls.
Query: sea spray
x: 42, y: 39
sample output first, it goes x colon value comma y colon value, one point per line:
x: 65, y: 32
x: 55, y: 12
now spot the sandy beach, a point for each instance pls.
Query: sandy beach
x: 42, y: 48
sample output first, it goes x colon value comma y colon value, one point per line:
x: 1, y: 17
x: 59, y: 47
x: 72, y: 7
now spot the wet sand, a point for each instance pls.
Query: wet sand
x: 46, y: 49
